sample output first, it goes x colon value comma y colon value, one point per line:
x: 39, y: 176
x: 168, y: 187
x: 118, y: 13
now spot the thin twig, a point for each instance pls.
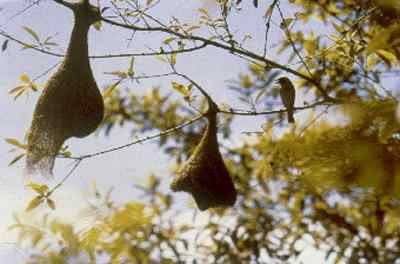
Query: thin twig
x: 202, y: 91
x: 105, y: 56
x: 78, y: 161
x: 36, y: 2
x: 253, y: 113
x: 226, y: 47
x: 141, y: 140
x: 268, y: 26
x: 289, y: 36
x: 46, y: 71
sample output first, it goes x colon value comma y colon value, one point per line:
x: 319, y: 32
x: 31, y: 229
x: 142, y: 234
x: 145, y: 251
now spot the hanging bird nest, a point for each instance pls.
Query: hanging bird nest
x: 205, y: 175
x: 71, y: 104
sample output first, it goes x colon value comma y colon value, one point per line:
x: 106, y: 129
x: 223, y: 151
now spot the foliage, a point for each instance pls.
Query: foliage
x: 331, y: 182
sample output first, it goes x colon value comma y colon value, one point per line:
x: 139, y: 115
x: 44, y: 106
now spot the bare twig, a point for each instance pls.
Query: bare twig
x: 76, y: 164
x: 141, y: 140
x: 268, y: 26
x: 226, y: 47
x: 289, y: 37
x: 106, y: 56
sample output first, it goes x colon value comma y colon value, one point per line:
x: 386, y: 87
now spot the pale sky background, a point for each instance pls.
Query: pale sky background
x: 210, y: 67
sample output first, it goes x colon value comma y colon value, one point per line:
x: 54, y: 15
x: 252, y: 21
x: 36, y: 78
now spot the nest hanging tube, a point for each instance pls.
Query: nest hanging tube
x: 71, y: 104
x: 205, y: 175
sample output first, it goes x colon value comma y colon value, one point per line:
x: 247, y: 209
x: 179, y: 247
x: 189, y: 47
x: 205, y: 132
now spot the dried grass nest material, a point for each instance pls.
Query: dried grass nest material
x: 71, y: 104
x: 205, y: 175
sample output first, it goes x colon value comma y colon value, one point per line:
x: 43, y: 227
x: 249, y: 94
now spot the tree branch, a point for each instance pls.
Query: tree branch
x: 226, y: 47
x: 141, y: 140
x: 105, y: 56
x: 65, y: 3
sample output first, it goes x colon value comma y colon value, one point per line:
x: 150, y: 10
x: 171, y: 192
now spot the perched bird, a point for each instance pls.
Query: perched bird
x: 71, y: 104
x: 288, y: 95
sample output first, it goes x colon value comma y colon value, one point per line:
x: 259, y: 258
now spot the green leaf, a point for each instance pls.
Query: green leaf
x: 31, y: 32
x: 17, y: 158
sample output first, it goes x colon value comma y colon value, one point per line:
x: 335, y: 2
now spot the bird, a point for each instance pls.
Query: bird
x: 288, y: 95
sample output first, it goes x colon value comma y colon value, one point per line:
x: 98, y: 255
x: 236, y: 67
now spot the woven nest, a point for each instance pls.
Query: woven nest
x: 70, y: 105
x: 205, y: 175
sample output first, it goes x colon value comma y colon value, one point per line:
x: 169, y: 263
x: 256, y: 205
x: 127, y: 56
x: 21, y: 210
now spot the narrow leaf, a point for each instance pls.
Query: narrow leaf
x: 39, y: 188
x: 173, y: 59
x: 32, y: 33
x: 182, y: 89
x: 51, y: 204
x: 108, y: 91
x: 4, y: 45
x: 35, y: 202
x: 15, y: 142
x: 17, y: 158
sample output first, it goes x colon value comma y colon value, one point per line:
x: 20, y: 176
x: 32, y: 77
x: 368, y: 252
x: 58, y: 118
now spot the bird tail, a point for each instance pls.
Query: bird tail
x: 290, y: 115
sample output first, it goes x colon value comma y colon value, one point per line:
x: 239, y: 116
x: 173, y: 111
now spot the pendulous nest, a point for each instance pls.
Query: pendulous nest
x: 71, y: 104
x: 205, y: 175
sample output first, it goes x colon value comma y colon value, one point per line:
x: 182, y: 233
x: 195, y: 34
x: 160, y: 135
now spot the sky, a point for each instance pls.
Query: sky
x: 210, y: 67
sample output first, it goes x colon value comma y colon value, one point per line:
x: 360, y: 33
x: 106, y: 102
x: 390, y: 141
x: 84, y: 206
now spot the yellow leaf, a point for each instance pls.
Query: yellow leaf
x: 309, y: 45
x: 120, y: 74
x: 269, y: 11
x: 286, y: 23
x: 15, y: 142
x: 39, y: 188
x: 34, y: 87
x: 35, y: 202
x: 173, y: 58
x: 387, y: 56
x: 383, y: 39
x: 130, y: 68
x: 182, y: 89
x: 246, y: 82
x: 32, y: 33
x: 168, y: 40
x: 24, y: 78
x: 51, y: 204
x: 97, y: 25
x: 36, y: 238
x: 108, y: 91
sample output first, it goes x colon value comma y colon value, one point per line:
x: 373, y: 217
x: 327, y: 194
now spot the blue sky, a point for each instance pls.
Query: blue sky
x: 209, y: 67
